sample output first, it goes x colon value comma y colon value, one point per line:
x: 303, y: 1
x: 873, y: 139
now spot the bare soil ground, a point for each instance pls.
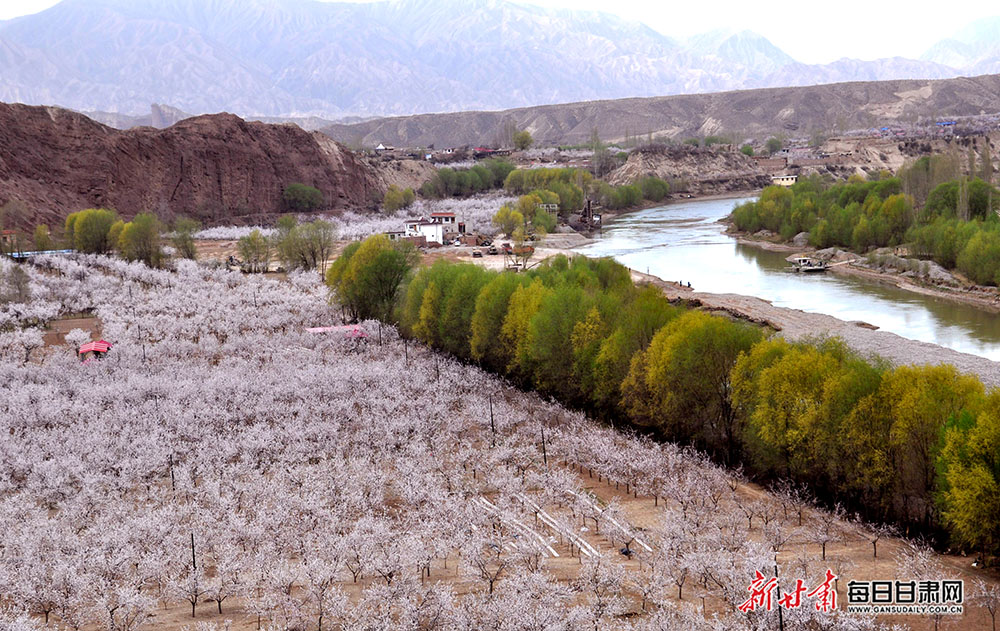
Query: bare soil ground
x: 55, y: 332
x: 215, y: 250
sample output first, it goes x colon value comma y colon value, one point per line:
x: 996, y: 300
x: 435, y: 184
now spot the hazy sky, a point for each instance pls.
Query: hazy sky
x: 864, y: 29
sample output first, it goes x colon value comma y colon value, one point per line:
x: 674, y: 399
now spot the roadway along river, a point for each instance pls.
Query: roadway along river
x: 684, y: 242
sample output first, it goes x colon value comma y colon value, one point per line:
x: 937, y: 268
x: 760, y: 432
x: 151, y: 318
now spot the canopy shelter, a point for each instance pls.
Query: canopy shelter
x: 95, y: 347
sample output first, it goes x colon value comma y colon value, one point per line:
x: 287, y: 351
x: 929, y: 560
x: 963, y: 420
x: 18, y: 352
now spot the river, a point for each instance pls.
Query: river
x: 684, y: 242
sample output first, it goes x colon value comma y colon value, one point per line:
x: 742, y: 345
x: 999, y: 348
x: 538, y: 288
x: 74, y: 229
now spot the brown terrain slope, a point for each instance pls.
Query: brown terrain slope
x: 795, y: 111
x: 217, y: 168
x: 695, y: 170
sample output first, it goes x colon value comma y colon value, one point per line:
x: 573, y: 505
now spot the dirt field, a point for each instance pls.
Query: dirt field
x: 55, y: 332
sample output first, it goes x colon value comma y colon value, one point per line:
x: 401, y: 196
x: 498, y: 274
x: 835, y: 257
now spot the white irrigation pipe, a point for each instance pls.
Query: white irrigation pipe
x: 524, y: 527
x: 512, y: 545
x: 625, y: 530
x: 585, y: 547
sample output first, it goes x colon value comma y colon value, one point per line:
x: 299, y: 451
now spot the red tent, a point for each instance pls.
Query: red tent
x: 97, y: 347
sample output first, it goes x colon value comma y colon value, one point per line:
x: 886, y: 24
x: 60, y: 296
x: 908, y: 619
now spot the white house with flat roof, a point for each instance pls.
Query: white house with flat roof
x: 432, y: 231
x: 445, y: 218
x: 783, y: 180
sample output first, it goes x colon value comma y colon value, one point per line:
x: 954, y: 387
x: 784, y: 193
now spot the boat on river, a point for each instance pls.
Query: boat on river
x: 808, y: 265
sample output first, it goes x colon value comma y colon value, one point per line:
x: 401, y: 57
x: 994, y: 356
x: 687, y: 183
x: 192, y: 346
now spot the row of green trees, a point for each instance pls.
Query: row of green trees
x: 916, y: 445
x: 957, y: 225
x: 569, y: 184
x: 486, y: 176
x: 521, y: 181
x: 832, y: 213
x: 630, y: 195
x: 100, y: 231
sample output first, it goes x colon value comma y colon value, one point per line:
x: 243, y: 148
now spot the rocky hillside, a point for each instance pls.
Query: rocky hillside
x: 693, y: 170
x: 753, y: 113
x: 216, y: 168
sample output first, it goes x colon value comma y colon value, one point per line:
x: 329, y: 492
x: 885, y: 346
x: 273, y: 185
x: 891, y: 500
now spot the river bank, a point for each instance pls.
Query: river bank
x: 798, y: 325
x: 968, y: 293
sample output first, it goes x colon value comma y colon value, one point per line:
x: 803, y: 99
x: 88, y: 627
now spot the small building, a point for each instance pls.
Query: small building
x: 783, y: 180
x: 432, y: 231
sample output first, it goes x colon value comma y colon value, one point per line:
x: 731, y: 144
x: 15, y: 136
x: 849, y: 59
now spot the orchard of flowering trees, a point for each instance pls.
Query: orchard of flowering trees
x: 224, y: 466
x: 476, y: 212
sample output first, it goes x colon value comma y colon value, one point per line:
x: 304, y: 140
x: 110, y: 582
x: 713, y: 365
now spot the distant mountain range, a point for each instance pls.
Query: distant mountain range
x: 305, y: 58
x: 797, y: 112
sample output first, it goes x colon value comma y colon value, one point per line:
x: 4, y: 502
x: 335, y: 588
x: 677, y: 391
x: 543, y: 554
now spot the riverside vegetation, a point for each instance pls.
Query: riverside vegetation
x: 954, y: 222
x: 912, y: 445
x: 567, y: 184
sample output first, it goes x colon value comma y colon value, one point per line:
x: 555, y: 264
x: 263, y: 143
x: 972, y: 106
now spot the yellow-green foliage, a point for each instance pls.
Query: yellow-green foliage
x: 956, y: 223
x: 915, y: 445
x: 970, y: 461
x: 683, y: 382
x: 89, y: 230
x: 42, y: 238
x: 396, y: 198
x: 507, y: 219
x: 365, y: 279
x: 139, y: 240
x: 521, y: 181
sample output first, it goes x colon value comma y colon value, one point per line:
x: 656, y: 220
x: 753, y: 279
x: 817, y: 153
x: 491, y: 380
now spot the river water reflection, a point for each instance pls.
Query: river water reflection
x: 684, y: 242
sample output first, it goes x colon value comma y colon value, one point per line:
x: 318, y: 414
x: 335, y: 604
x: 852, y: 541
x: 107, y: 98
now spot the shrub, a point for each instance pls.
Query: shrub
x: 654, y: 189
x: 302, y: 198
x: 396, y: 199
x: 523, y: 140
x: 140, y: 240
x: 183, y: 239
x: 89, y: 230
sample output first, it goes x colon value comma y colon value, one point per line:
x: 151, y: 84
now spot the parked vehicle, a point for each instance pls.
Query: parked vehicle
x: 492, y: 250
x: 477, y: 254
